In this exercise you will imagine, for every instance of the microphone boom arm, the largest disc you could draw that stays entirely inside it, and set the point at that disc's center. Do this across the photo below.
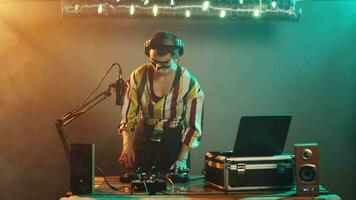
(75, 113)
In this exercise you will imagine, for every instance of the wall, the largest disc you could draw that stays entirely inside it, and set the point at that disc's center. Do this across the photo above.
(49, 64)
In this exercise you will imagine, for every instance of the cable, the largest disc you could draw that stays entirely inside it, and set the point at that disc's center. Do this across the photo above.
(107, 182)
(107, 72)
(165, 193)
(144, 183)
(15, 1)
(196, 179)
(81, 106)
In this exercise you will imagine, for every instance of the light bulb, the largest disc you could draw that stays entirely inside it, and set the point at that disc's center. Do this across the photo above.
(187, 13)
(274, 4)
(132, 9)
(256, 13)
(76, 7)
(100, 8)
(206, 5)
(222, 13)
(155, 10)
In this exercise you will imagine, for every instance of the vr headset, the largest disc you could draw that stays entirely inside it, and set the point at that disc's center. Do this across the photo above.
(159, 43)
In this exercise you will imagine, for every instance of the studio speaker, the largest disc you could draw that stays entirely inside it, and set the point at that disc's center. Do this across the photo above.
(82, 165)
(307, 169)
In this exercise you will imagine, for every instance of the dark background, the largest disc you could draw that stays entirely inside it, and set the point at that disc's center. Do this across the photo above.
(49, 64)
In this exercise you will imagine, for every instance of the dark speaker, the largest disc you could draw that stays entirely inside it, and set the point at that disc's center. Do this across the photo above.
(307, 169)
(82, 165)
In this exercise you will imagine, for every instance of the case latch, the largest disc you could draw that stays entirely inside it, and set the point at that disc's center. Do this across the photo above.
(241, 168)
(281, 167)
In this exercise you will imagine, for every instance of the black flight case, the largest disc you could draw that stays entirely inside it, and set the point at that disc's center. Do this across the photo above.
(230, 173)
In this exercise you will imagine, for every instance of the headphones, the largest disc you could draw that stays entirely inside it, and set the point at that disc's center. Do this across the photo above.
(164, 39)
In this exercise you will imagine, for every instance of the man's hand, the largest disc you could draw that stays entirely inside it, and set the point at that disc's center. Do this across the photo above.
(127, 157)
(180, 166)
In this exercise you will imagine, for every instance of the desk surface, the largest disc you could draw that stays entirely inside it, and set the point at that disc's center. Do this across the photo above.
(194, 189)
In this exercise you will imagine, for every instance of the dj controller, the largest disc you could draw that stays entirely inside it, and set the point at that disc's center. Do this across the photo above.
(153, 181)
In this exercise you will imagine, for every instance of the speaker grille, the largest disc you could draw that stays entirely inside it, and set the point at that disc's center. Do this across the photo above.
(307, 173)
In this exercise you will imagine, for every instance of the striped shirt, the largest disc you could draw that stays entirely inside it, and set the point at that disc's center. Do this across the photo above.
(182, 105)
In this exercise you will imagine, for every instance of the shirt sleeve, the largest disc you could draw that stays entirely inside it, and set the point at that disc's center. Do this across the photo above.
(193, 116)
(130, 109)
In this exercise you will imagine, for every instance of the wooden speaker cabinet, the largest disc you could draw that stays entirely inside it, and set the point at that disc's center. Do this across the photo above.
(307, 169)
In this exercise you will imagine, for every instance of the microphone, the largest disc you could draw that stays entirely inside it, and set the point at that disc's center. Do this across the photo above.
(120, 89)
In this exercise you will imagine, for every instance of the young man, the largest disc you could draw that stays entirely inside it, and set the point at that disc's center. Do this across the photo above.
(170, 101)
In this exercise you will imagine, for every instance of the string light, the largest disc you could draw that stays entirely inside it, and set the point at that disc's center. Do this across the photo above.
(279, 9)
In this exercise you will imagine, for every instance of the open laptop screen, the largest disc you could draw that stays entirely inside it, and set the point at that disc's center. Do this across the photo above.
(261, 135)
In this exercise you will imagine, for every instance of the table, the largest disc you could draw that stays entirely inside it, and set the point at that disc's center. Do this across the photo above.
(194, 189)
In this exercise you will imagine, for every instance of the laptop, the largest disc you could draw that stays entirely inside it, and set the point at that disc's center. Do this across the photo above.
(261, 135)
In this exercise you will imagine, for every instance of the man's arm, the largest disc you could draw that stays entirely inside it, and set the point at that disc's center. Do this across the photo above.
(128, 123)
(193, 116)
(193, 125)
(127, 157)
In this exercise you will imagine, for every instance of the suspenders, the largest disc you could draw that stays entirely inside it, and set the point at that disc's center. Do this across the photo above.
(141, 86)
